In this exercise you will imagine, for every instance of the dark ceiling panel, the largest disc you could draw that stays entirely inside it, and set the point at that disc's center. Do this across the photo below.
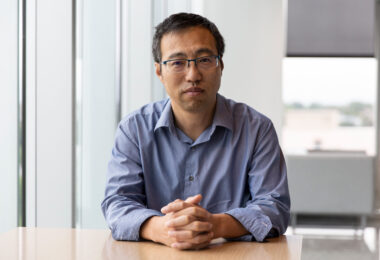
(342, 28)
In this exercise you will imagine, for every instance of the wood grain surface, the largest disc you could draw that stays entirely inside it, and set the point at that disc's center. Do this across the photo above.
(78, 244)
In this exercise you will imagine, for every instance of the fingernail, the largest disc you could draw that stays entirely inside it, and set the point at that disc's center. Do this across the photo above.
(163, 209)
(168, 223)
(171, 233)
(174, 245)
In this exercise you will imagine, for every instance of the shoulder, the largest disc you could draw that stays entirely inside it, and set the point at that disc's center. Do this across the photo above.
(144, 117)
(251, 125)
(243, 114)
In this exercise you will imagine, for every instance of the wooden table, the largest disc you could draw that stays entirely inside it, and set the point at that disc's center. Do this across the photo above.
(47, 243)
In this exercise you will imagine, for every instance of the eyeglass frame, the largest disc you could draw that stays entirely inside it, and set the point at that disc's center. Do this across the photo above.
(190, 60)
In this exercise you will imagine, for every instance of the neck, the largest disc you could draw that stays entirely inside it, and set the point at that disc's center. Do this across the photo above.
(193, 123)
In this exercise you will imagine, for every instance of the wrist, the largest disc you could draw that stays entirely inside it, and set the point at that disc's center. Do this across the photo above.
(147, 229)
(217, 225)
(226, 226)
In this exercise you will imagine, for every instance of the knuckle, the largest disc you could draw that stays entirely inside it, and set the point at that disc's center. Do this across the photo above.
(192, 233)
(186, 246)
(197, 225)
(198, 239)
(188, 218)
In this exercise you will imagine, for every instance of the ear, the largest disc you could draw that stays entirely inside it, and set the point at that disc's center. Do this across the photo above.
(158, 70)
(221, 64)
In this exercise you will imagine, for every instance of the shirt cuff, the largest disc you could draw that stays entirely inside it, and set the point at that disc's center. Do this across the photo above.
(257, 224)
(128, 226)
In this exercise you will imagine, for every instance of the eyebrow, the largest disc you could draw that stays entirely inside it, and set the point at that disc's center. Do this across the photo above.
(176, 55)
(204, 50)
(198, 52)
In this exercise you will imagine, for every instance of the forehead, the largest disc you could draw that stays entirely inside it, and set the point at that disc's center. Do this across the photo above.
(188, 43)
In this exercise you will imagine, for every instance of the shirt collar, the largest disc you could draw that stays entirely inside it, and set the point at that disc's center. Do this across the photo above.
(166, 119)
(222, 116)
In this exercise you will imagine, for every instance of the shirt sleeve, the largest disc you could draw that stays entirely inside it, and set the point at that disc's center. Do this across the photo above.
(124, 205)
(267, 212)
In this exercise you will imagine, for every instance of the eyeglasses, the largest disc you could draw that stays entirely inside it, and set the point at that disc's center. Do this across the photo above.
(202, 63)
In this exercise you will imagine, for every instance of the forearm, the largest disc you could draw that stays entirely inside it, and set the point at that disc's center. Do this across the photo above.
(227, 226)
(125, 217)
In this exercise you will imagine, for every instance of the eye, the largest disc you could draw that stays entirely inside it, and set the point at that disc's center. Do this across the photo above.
(204, 60)
(177, 63)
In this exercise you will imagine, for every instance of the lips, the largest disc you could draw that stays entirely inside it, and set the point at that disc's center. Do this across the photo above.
(193, 90)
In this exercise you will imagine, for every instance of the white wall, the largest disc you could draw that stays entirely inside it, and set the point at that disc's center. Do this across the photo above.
(8, 114)
(254, 32)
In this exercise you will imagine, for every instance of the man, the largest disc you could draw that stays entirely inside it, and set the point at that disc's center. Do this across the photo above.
(196, 166)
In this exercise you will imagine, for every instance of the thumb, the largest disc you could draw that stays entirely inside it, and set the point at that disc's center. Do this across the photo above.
(194, 199)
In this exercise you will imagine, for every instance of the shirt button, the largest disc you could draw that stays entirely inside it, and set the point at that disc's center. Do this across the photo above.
(191, 178)
(193, 148)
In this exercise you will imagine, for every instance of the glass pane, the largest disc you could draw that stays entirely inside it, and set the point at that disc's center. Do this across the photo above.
(96, 115)
(330, 105)
(8, 114)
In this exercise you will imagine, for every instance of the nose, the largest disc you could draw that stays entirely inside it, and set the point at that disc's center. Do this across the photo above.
(192, 73)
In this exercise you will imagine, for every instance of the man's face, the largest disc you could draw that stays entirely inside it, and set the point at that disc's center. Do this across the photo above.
(193, 90)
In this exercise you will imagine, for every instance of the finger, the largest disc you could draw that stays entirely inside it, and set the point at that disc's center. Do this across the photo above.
(200, 241)
(180, 221)
(199, 226)
(201, 238)
(195, 211)
(175, 206)
(194, 199)
(183, 235)
(180, 204)
(191, 230)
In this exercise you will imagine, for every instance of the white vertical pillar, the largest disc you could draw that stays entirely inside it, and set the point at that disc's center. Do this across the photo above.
(8, 114)
(30, 198)
(54, 110)
(98, 107)
(137, 76)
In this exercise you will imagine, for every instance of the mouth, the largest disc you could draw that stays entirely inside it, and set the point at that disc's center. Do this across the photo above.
(193, 91)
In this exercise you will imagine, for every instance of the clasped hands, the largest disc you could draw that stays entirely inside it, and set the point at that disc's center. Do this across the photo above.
(185, 225)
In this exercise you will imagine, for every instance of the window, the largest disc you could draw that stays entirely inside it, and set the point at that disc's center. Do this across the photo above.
(329, 105)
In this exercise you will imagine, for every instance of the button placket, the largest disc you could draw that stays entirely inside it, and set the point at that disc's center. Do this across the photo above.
(189, 173)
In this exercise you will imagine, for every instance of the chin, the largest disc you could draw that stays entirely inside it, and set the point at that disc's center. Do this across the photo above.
(194, 106)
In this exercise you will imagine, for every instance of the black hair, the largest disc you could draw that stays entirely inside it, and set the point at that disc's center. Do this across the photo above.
(180, 21)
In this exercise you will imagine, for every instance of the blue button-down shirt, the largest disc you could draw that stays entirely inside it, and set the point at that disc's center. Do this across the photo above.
(236, 164)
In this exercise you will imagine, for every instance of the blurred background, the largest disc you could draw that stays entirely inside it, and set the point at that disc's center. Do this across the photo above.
(70, 70)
